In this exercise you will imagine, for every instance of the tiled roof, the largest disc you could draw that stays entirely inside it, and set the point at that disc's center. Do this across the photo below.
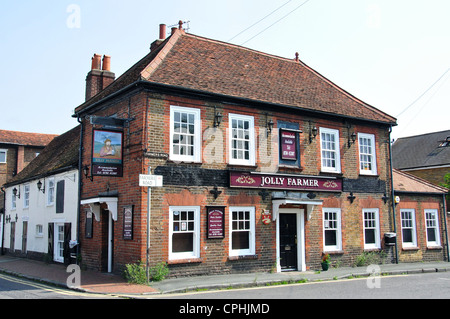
(25, 139)
(196, 63)
(404, 182)
(60, 153)
(421, 151)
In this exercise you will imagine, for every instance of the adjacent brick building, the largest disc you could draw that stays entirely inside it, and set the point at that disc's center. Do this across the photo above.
(266, 164)
(17, 150)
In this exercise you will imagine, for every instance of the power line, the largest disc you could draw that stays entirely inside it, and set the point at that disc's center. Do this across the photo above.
(423, 93)
(276, 22)
(260, 20)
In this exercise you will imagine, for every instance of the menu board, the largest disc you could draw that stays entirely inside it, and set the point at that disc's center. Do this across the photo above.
(216, 221)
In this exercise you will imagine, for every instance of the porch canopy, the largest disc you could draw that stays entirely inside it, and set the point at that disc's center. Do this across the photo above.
(294, 198)
(95, 202)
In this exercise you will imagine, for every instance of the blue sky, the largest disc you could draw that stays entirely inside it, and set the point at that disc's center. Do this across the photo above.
(391, 54)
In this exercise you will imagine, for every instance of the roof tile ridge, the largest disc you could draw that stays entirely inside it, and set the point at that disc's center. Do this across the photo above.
(357, 100)
(241, 47)
(159, 58)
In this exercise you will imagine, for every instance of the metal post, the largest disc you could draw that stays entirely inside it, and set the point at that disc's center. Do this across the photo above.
(149, 206)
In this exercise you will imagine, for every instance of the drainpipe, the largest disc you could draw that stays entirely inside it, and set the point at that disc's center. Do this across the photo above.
(445, 224)
(3, 220)
(393, 195)
(80, 162)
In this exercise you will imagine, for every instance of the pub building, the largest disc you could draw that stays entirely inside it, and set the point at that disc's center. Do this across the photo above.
(259, 163)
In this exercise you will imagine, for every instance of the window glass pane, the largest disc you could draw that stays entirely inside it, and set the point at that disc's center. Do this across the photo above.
(431, 234)
(330, 238)
(407, 236)
(240, 240)
(182, 242)
(370, 236)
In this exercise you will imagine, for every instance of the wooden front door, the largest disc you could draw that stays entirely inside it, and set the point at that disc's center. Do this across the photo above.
(288, 241)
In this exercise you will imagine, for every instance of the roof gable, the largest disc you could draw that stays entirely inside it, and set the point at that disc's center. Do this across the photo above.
(196, 63)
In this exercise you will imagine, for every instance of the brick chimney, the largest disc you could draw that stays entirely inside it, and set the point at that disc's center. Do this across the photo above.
(100, 75)
(162, 37)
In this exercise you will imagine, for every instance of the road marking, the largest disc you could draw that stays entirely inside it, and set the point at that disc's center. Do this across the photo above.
(50, 289)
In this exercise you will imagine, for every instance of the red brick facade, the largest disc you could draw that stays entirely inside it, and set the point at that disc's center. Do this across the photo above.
(191, 186)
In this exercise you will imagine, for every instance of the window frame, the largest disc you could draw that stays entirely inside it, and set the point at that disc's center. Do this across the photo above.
(252, 235)
(251, 141)
(50, 198)
(413, 228)
(26, 195)
(336, 151)
(372, 154)
(376, 228)
(197, 147)
(338, 229)
(195, 253)
(437, 242)
(13, 201)
(4, 150)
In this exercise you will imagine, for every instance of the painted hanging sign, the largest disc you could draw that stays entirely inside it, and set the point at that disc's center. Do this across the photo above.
(107, 156)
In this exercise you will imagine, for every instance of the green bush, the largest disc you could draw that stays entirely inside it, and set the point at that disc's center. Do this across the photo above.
(137, 274)
(159, 272)
(369, 258)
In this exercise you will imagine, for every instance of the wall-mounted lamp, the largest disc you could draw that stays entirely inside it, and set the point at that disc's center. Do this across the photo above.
(217, 118)
(351, 137)
(40, 188)
(312, 132)
(15, 192)
(86, 173)
(385, 198)
(269, 126)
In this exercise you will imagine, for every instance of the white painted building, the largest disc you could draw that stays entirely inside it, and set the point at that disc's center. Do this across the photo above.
(41, 204)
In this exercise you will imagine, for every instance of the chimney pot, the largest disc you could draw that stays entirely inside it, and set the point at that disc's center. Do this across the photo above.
(106, 63)
(180, 25)
(296, 56)
(96, 62)
(162, 31)
(173, 30)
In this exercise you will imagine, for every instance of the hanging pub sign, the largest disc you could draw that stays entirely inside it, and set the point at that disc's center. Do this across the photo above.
(128, 223)
(216, 221)
(107, 155)
(288, 141)
(285, 181)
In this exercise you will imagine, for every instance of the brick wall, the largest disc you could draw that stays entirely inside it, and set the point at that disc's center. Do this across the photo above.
(422, 252)
(190, 184)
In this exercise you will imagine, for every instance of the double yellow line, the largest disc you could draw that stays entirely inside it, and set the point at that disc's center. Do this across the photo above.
(49, 288)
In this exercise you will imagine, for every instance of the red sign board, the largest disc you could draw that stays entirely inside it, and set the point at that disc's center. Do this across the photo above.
(288, 145)
(285, 182)
(216, 222)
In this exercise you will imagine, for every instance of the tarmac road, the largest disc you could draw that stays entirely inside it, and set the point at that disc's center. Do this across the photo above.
(12, 287)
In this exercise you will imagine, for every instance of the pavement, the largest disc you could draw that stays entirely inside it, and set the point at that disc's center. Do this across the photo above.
(111, 284)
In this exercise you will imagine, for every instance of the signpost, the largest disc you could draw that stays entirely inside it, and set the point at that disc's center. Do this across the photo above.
(149, 181)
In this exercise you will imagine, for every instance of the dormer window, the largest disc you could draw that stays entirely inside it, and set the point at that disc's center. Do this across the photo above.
(445, 143)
